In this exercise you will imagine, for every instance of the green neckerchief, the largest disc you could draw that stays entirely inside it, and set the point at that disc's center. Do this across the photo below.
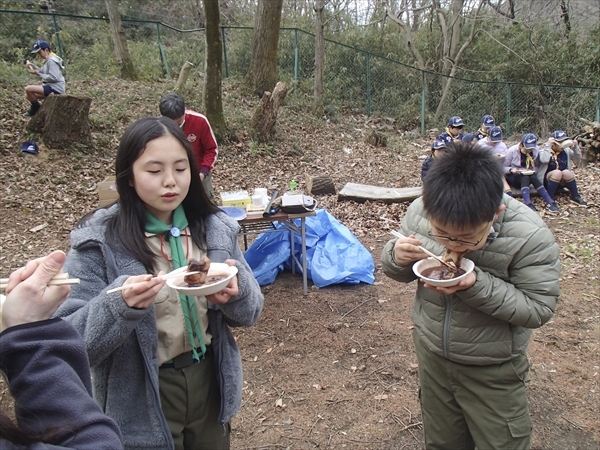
(188, 304)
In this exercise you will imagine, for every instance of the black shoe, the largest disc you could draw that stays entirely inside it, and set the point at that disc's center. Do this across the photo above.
(531, 206)
(32, 110)
(579, 201)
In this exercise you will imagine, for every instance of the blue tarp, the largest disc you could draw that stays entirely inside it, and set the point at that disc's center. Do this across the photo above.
(334, 255)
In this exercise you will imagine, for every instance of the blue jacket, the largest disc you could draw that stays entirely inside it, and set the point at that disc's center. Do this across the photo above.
(426, 166)
(49, 376)
(122, 341)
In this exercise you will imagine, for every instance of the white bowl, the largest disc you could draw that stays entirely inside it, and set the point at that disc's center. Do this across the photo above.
(466, 264)
(179, 285)
(527, 172)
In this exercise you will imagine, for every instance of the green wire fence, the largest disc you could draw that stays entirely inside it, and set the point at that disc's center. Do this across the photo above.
(354, 79)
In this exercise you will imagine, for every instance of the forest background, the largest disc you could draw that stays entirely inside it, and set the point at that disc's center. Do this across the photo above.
(533, 64)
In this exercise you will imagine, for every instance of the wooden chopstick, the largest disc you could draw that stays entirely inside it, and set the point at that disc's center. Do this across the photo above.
(424, 250)
(62, 281)
(58, 276)
(164, 277)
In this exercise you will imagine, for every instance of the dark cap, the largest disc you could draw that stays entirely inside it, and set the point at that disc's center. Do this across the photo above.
(38, 45)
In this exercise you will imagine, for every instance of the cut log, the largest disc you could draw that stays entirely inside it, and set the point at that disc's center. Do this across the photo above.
(376, 139)
(183, 75)
(320, 185)
(363, 192)
(265, 117)
(62, 120)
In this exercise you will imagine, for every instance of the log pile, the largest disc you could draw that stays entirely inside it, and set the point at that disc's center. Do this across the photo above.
(589, 140)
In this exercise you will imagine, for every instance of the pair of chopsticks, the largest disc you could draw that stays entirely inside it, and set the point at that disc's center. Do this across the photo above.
(60, 279)
(424, 250)
(173, 274)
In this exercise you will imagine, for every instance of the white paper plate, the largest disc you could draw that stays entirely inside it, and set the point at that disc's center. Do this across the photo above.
(466, 264)
(527, 172)
(179, 285)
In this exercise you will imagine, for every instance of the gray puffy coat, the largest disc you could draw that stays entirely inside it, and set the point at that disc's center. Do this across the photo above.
(516, 290)
(122, 342)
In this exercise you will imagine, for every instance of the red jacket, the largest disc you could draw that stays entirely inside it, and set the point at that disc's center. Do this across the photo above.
(201, 137)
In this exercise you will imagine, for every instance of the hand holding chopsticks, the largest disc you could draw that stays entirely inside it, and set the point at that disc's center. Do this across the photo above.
(173, 274)
(60, 279)
(424, 250)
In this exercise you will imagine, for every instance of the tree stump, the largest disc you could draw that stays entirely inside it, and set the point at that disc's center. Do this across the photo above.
(376, 139)
(320, 185)
(62, 120)
(265, 116)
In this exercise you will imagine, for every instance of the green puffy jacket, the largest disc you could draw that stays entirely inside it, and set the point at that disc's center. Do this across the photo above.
(516, 290)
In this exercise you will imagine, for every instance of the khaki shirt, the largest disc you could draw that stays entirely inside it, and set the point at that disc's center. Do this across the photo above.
(170, 323)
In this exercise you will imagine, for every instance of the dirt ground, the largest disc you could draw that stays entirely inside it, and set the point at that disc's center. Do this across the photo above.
(335, 368)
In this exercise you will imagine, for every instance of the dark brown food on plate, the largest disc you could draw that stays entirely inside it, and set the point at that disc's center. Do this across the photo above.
(442, 273)
(201, 266)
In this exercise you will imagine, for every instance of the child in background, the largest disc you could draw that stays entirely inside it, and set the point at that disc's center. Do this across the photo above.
(438, 148)
(560, 169)
(51, 74)
(487, 121)
(494, 144)
(165, 366)
(453, 130)
(471, 339)
(520, 171)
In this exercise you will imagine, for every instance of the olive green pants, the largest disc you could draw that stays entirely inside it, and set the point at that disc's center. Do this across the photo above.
(466, 406)
(191, 403)
(208, 187)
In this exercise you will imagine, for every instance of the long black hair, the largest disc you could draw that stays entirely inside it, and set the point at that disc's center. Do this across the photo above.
(126, 228)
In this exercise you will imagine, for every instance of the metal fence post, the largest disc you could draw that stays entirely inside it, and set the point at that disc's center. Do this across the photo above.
(224, 52)
(598, 107)
(296, 58)
(508, 100)
(368, 84)
(57, 34)
(423, 83)
(163, 57)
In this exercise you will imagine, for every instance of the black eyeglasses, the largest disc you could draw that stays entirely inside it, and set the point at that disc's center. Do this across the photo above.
(460, 241)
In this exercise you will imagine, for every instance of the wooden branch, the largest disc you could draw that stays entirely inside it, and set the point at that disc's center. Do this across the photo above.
(363, 192)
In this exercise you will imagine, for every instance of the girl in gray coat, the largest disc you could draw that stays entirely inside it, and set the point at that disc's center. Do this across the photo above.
(165, 366)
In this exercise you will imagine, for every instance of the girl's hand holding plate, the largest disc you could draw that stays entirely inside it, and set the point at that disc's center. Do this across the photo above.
(222, 297)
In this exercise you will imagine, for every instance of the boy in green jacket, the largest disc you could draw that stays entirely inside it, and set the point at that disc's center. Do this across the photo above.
(471, 338)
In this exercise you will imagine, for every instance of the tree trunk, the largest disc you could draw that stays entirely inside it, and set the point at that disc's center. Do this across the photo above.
(265, 117)
(320, 185)
(262, 74)
(213, 91)
(184, 74)
(319, 57)
(122, 56)
(62, 120)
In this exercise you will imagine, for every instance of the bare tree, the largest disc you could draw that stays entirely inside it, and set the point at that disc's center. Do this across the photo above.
(212, 94)
(319, 56)
(122, 56)
(262, 74)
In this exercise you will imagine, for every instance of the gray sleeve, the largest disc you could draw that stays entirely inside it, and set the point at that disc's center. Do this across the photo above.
(53, 74)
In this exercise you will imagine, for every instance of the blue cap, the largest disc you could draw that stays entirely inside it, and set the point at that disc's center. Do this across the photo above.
(559, 135)
(38, 45)
(488, 121)
(468, 138)
(455, 122)
(529, 141)
(437, 144)
(495, 134)
(30, 147)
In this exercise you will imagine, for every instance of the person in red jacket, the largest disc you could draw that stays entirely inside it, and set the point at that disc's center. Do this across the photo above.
(199, 134)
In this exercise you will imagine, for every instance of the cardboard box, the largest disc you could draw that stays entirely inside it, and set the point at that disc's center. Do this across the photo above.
(107, 191)
(240, 199)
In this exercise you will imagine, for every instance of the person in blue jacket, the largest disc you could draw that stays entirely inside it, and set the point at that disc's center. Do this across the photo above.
(438, 148)
(487, 121)
(47, 369)
(453, 130)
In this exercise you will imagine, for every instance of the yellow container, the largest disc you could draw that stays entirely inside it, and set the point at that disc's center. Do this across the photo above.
(240, 199)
